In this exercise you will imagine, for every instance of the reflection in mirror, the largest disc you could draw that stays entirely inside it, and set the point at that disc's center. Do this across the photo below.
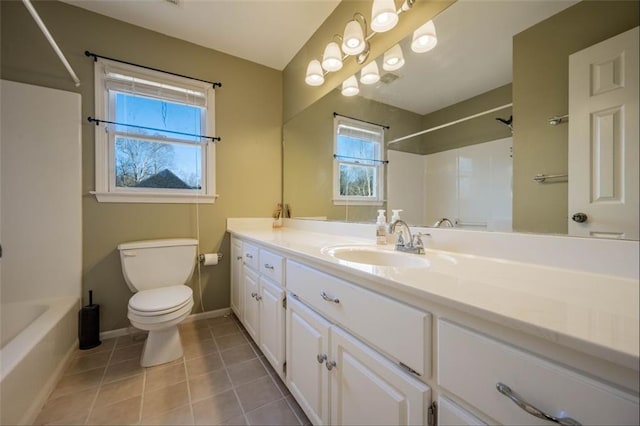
(469, 123)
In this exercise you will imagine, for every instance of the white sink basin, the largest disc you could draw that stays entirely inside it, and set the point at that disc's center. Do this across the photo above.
(378, 256)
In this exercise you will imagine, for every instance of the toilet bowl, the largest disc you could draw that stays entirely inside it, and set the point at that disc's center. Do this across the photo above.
(156, 271)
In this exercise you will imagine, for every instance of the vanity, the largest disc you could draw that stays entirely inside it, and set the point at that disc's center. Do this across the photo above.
(444, 338)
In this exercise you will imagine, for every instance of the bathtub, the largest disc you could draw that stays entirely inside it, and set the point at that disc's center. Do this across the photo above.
(38, 338)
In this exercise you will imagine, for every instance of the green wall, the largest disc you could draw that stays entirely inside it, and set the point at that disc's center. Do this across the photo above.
(248, 118)
(540, 91)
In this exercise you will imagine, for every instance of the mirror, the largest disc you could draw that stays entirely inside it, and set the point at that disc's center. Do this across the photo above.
(449, 144)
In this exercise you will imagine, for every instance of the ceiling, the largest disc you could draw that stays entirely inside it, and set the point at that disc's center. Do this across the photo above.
(262, 31)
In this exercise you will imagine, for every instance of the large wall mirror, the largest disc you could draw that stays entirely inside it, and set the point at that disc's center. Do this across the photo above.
(477, 129)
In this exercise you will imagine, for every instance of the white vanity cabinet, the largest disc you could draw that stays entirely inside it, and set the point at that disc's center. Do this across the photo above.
(338, 380)
(263, 313)
(237, 296)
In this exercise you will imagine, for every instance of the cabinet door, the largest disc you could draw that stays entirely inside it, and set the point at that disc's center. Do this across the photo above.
(307, 342)
(272, 323)
(451, 414)
(236, 278)
(366, 388)
(251, 319)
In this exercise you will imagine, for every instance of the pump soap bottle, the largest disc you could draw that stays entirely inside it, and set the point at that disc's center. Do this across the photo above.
(381, 228)
(393, 238)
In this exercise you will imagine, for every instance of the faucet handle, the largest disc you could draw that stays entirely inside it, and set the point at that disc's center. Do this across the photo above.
(417, 239)
(400, 241)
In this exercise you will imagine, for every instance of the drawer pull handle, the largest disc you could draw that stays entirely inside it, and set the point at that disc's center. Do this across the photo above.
(321, 358)
(328, 298)
(330, 365)
(517, 399)
(249, 256)
(266, 265)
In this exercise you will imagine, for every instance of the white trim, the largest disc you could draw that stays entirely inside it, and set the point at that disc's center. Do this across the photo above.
(128, 197)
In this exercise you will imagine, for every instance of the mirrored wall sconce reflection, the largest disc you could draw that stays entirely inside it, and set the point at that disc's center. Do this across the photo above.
(355, 40)
(424, 38)
(350, 86)
(393, 59)
(370, 73)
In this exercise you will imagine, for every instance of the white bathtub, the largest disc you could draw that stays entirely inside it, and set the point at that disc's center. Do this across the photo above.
(37, 339)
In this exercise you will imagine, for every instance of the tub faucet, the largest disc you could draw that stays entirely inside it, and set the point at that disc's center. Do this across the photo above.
(407, 242)
(442, 221)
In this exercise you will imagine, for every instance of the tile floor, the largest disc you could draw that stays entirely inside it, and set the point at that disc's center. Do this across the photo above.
(222, 379)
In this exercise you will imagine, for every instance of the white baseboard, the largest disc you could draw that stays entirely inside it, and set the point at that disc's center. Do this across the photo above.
(191, 318)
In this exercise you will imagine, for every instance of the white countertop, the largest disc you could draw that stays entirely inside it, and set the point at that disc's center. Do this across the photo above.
(593, 313)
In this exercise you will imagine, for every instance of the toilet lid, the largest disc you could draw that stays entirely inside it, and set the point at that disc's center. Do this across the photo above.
(160, 299)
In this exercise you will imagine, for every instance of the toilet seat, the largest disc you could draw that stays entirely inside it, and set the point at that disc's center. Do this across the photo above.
(160, 301)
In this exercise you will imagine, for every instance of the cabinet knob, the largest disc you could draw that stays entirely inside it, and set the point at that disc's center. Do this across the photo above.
(579, 217)
(254, 295)
(330, 365)
(258, 298)
(328, 298)
(249, 256)
(321, 358)
(238, 257)
(520, 402)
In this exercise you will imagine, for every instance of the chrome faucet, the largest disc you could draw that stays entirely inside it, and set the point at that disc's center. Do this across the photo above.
(407, 242)
(444, 220)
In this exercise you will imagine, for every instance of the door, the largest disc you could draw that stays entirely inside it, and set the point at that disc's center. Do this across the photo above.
(252, 305)
(236, 277)
(272, 323)
(307, 348)
(603, 139)
(368, 389)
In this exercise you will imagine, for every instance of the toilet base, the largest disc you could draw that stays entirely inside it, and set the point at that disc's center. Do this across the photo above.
(161, 346)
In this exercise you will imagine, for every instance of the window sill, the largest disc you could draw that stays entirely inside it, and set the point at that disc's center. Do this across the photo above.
(345, 202)
(124, 197)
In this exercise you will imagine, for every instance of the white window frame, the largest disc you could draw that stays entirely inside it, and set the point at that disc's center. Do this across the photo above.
(106, 189)
(338, 199)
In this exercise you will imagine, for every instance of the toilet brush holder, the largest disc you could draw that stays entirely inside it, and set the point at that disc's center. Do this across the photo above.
(89, 325)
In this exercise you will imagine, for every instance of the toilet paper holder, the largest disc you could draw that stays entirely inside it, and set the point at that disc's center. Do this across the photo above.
(201, 257)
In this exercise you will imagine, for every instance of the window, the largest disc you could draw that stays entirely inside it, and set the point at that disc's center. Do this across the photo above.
(358, 172)
(154, 152)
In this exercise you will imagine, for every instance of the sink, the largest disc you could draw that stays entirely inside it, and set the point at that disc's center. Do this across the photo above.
(374, 255)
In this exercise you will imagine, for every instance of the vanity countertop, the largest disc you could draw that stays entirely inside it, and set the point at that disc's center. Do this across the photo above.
(592, 313)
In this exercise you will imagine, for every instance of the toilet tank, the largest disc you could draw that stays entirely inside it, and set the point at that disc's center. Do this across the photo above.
(157, 263)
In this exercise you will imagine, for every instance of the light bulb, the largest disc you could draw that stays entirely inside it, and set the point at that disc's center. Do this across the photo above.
(350, 86)
(393, 59)
(314, 74)
(383, 15)
(370, 73)
(424, 38)
(332, 58)
(353, 38)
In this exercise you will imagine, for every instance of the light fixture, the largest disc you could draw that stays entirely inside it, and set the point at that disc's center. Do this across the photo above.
(370, 73)
(332, 58)
(353, 38)
(383, 15)
(393, 59)
(424, 38)
(314, 76)
(350, 86)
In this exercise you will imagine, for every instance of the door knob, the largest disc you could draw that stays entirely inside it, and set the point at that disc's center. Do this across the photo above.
(579, 217)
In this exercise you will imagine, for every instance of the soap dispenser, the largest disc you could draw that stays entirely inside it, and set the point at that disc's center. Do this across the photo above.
(381, 228)
(396, 215)
(393, 238)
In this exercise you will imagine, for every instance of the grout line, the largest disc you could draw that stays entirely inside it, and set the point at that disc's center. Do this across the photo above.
(186, 373)
(104, 374)
(144, 388)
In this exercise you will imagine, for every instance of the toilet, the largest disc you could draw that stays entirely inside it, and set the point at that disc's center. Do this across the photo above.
(157, 271)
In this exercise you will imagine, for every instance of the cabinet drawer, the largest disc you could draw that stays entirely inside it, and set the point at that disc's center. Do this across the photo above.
(400, 331)
(272, 266)
(451, 414)
(470, 365)
(250, 256)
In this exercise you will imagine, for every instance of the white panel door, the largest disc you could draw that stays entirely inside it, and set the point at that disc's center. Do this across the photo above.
(307, 346)
(251, 317)
(603, 138)
(368, 389)
(236, 277)
(272, 323)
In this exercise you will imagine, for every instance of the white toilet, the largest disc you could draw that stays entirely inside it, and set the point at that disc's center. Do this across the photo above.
(157, 271)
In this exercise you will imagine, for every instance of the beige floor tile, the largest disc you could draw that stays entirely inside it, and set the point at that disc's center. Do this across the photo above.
(88, 362)
(275, 413)
(209, 384)
(216, 409)
(74, 421)
(297, 410)
(247, 371)
(193, 325)
(267, 365)
(120, 390)
(280, 385)
(158, 378)
(200, 348)
(204, 364)
(131, 339)
(236, 421)
(121, 413)
(258, 393)
(224, 328)
(79, 381)
(230, 340)
(165, 399)
(221, 320)
(123, 369)
(194, 334)
(238, 354)
(178, 416)
(70, 406)
(106, 345)
(126, 353)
